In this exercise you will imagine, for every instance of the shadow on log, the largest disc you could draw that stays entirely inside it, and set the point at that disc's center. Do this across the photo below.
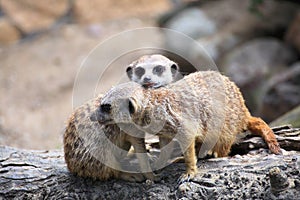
(253, 173)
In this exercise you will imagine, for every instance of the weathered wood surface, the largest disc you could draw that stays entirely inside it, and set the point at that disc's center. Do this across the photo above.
(26, 174)
(287, 137)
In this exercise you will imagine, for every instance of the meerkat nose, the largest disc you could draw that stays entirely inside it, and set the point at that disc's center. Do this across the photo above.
(147, 79)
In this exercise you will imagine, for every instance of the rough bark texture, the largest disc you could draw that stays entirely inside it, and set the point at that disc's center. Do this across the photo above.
(26, 174)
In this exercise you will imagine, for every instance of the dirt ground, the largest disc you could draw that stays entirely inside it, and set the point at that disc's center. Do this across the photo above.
(37, 77)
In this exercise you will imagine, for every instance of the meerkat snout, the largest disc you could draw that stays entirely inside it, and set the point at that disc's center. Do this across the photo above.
(153, 71)
(125, 106)
(147, 79)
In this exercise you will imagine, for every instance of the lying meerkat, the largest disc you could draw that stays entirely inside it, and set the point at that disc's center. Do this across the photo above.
(153, 71)
(203, 106)
(94, 151)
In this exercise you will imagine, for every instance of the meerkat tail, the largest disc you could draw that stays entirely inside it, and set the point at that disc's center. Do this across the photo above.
(258, 127)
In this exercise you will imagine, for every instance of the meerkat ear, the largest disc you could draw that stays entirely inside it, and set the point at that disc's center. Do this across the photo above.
(132, 105)
(129, 72)
(174, 68)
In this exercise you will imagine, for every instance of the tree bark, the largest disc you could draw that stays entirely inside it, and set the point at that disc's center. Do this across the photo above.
(253, 173)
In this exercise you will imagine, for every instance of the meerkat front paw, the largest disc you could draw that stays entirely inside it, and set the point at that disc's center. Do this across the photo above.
(186, 177)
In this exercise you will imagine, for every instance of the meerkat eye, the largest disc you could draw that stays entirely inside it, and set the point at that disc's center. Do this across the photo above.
(139, 71)
(174, 68)
(105, 108)
(159, 69)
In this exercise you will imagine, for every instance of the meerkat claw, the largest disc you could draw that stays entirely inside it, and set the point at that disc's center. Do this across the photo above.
(184, 178)
(275, 149)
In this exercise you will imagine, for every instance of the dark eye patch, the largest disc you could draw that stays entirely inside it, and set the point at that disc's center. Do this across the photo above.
(105, 108)
(174, 69)
(158, 70)
(139, 71)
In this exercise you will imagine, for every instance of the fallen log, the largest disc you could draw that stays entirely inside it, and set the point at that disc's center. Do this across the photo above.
(287, 137)
(28, 174)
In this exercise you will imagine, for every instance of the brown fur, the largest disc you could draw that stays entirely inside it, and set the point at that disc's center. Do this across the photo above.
(204, 107)
(86, 147)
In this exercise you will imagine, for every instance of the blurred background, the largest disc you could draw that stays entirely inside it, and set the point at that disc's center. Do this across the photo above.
(43, 43)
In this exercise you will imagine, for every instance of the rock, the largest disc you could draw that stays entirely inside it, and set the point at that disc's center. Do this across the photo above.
(95, 11)
(256, 59)
(251, 64)
(31, 15)
(8, 34)
(293, 33)
(94, 30)
(184, 187)
(233, 23)
(278, 180)
(185, 22)
(241, 25)
(282, 94)
(291, 117)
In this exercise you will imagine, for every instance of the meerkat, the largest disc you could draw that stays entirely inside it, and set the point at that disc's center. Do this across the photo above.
(95, 151)
(153, 71)
(81, 155)
(203, 106)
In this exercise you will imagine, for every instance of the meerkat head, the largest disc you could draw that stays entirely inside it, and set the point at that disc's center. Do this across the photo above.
(117, 104)
(128, 105)
(153, 71)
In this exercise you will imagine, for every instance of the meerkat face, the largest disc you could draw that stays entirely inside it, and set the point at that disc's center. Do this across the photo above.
(122, 110)
(128, 104)
(152, 71)
(114, 106)
(112, 111)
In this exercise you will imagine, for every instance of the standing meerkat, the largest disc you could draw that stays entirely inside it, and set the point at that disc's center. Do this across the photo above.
(153, 71)
(203, 106)
(95, 151)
